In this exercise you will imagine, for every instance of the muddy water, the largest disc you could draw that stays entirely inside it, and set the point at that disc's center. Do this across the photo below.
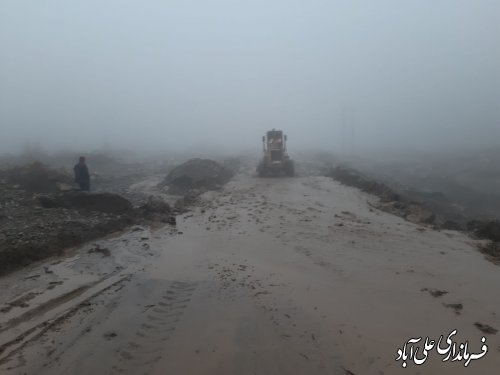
(269, 276)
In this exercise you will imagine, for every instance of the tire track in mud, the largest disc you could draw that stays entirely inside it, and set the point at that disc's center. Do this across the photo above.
(300, 331)
(146, 344)
(40, 325)
(125, 331)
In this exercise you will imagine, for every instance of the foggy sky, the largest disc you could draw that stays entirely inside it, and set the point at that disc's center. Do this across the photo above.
(158, 74)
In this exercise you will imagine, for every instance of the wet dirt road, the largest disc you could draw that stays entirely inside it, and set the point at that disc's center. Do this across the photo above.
(268, 276)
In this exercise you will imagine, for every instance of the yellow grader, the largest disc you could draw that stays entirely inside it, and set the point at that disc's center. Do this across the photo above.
(276, 160)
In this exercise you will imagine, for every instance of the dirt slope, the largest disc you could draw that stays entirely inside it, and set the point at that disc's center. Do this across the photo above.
(267, 276)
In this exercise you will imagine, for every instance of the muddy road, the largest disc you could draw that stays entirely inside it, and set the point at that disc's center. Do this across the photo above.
(267, 276)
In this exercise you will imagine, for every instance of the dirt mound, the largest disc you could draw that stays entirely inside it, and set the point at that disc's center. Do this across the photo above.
(41, 214)
(33, 229)
(157, 204)
(354, 178)
(426, 211)
(29, 232)
(489, 230)
(197, 174)
(412, 212)
(390, 201)
(50, 234)
(38, 178)
(156, 209)
(79, 200)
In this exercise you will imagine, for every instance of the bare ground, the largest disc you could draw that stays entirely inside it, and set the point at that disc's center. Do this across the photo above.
(267, 276)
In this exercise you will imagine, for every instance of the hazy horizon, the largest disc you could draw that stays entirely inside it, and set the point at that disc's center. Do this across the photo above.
(349, 76)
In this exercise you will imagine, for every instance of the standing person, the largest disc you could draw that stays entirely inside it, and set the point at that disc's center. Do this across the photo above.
(82, 176)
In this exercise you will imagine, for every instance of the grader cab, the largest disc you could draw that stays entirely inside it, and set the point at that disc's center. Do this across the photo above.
(276, 160)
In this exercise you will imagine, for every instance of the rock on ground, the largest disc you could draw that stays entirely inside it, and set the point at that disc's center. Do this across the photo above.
(156, 204)
(156, 209)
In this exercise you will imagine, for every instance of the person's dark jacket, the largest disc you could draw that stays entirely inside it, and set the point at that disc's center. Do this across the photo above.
(82, 176)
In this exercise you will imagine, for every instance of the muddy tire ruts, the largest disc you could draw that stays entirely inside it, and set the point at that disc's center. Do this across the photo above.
(147, 343)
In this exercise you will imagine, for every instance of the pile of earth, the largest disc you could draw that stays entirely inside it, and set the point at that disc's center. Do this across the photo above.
(351, 177)
(30, 232)
(390, 201)
(487, 230)
(423, 212)
(37, 178)
(155, 209)
(38, 219)
(79, 200)
(196, 176)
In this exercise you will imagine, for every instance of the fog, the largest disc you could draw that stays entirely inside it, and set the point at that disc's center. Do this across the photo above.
(345, 76)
